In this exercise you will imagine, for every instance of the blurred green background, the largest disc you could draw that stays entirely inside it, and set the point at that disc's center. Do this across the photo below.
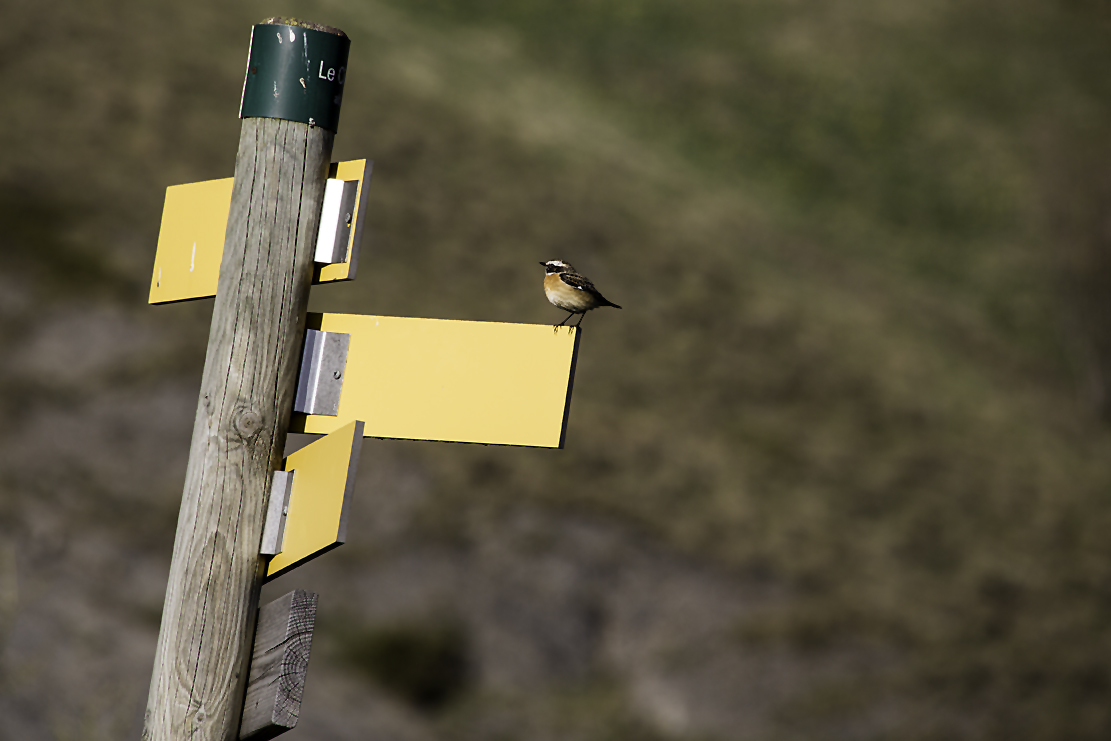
(839, 469)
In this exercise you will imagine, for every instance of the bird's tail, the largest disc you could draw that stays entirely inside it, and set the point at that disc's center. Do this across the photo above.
(607, 302)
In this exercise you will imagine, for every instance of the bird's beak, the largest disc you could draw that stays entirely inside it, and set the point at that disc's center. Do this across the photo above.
(544, 264)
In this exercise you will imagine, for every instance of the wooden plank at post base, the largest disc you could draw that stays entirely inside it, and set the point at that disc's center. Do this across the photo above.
(453, 381)
(279, 662)
(194, 222)
(323, 481)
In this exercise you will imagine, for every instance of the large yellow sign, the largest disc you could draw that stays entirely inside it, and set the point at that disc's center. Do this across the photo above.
(457, 381)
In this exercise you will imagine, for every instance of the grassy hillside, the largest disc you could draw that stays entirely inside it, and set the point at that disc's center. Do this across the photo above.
(857, 387)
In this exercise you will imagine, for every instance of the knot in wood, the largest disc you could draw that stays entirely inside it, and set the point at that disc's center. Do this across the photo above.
(246, 423)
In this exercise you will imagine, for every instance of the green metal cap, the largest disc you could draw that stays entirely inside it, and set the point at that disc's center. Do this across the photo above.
(296, 74)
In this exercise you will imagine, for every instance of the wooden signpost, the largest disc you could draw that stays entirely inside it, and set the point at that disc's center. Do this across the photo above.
(287, 220)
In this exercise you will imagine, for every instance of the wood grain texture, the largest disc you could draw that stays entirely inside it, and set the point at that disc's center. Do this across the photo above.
(279, 662)
(247, 389)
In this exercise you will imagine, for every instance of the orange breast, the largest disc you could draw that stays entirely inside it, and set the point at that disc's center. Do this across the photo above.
(566, 297)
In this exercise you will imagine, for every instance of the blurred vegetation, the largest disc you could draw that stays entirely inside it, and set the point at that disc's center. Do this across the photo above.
(863, 249)
(424, 662)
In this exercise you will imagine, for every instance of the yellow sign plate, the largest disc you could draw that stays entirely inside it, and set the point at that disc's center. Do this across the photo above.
(194, 223)
(456, 381)
(354, 170)
(323, 478)
(191, 241)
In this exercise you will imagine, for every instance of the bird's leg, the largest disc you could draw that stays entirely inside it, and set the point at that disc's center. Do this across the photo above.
(569, 315)
(581, 317)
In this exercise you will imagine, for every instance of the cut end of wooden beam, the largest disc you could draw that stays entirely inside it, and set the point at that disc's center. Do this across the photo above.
(279, 663)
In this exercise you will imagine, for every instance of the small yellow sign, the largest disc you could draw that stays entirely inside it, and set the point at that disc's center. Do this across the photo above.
(191, 241)
(323, 479)
(358, 170)
(194, 223)
(456, 381)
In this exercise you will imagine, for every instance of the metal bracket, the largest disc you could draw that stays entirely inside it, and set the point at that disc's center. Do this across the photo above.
(322, 369)
(336, 217)
(273, 533)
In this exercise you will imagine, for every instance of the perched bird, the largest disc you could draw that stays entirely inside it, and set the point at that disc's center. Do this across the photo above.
(570, 291)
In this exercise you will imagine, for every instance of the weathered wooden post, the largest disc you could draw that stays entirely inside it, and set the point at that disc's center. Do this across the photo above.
(372, 376)
(290, 109)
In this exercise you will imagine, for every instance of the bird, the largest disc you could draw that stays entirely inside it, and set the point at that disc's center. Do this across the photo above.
(571, 291)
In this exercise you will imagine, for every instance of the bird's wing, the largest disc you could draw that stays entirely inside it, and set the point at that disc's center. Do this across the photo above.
(577, 281)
